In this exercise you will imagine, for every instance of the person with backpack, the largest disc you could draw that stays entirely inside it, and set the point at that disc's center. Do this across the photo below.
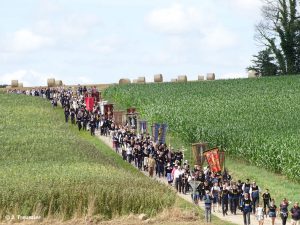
(246, 207)
(284, 212)
(207, 203)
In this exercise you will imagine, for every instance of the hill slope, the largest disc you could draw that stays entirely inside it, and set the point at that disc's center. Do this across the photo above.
(257, 120)
(47, 169)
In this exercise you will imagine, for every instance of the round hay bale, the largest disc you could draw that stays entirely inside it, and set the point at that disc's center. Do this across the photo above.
(20, 85)
(135, 81)
(51, 82)
(58, 83)
(173, 80)
(158, 78)
(124, 81)
(252, 74)
(182, 78)
(141, 80)
(210, 76)
(14, 83)
(200, 78)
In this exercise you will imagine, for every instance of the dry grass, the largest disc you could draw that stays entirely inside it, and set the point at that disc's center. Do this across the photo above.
(172, 216)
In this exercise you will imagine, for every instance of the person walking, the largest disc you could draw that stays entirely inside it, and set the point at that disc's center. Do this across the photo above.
(295, 212)
(266, 199)
(224, 200)
(151, 165)
(215, 191)
(67, 113)
(254, 192)
(272, 211)
(207, 203)
(259, 213)
(284, 212)
(246, 208)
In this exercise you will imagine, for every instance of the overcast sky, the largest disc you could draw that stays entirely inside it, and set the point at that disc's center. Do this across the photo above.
(97, 41)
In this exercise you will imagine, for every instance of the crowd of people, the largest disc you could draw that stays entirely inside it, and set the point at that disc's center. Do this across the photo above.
(217, 191)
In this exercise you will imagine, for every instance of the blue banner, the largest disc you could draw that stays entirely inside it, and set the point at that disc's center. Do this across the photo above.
(143, 127)
(160, 132)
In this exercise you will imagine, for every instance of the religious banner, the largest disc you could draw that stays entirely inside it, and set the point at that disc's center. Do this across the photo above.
(108, 111)
(118, 117)
(160, 132)
(132, 120)
(222, 159)
(89, 102)
(143, 126)
(198, 150)
(213, 160)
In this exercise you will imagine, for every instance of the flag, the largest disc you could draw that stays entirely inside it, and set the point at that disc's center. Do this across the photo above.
(143, 127)
(89, 102)
(213, 160)
(160, 132)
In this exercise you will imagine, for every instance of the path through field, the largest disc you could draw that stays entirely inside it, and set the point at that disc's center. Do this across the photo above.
(237, 219)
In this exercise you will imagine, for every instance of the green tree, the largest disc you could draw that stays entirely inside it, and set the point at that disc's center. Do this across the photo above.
(264, 63)
(279, 31)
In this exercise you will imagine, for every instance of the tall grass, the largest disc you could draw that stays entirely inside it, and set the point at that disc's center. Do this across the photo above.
(256, 119)
(50, 170)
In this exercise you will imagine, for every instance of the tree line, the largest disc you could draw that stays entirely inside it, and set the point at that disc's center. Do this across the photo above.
(278, 33)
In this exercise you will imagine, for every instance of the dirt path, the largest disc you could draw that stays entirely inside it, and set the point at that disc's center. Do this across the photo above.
(237, 219)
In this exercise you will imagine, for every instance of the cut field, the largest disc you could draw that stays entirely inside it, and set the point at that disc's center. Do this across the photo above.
(48, 169)
(253, 119)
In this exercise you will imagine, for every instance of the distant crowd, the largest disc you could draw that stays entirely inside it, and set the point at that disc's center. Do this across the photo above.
(217, 191)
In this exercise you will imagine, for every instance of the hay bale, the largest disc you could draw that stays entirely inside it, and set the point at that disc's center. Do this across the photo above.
(200, 78)
(58, 83)
(135, 81)
(14, 83)
(252, 74)
(158, 78)
(173, 80)
(8, 87)
(182, 78)
(141, 80)
(124, 81)
(51, 82)
(20, 85)
(210, 76)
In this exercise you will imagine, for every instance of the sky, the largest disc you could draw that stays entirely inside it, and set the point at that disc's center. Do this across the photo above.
(97, 41)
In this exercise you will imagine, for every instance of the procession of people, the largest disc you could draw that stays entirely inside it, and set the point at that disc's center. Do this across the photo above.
(216, 191)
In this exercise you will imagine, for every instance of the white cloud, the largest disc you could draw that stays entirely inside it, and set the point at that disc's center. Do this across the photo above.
(24, 40)
(191, 26)
(176, 19)
(27, 77)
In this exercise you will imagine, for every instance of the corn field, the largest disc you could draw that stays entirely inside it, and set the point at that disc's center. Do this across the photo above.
(256, 120)
(48, 169)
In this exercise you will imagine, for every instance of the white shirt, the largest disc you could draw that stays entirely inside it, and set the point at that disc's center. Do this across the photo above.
(177, 173)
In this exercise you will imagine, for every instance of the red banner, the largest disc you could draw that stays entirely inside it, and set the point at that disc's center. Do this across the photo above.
(213, 160)
(89, 102)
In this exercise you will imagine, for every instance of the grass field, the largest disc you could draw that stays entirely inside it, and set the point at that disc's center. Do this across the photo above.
(49, 169)
(252, 119)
